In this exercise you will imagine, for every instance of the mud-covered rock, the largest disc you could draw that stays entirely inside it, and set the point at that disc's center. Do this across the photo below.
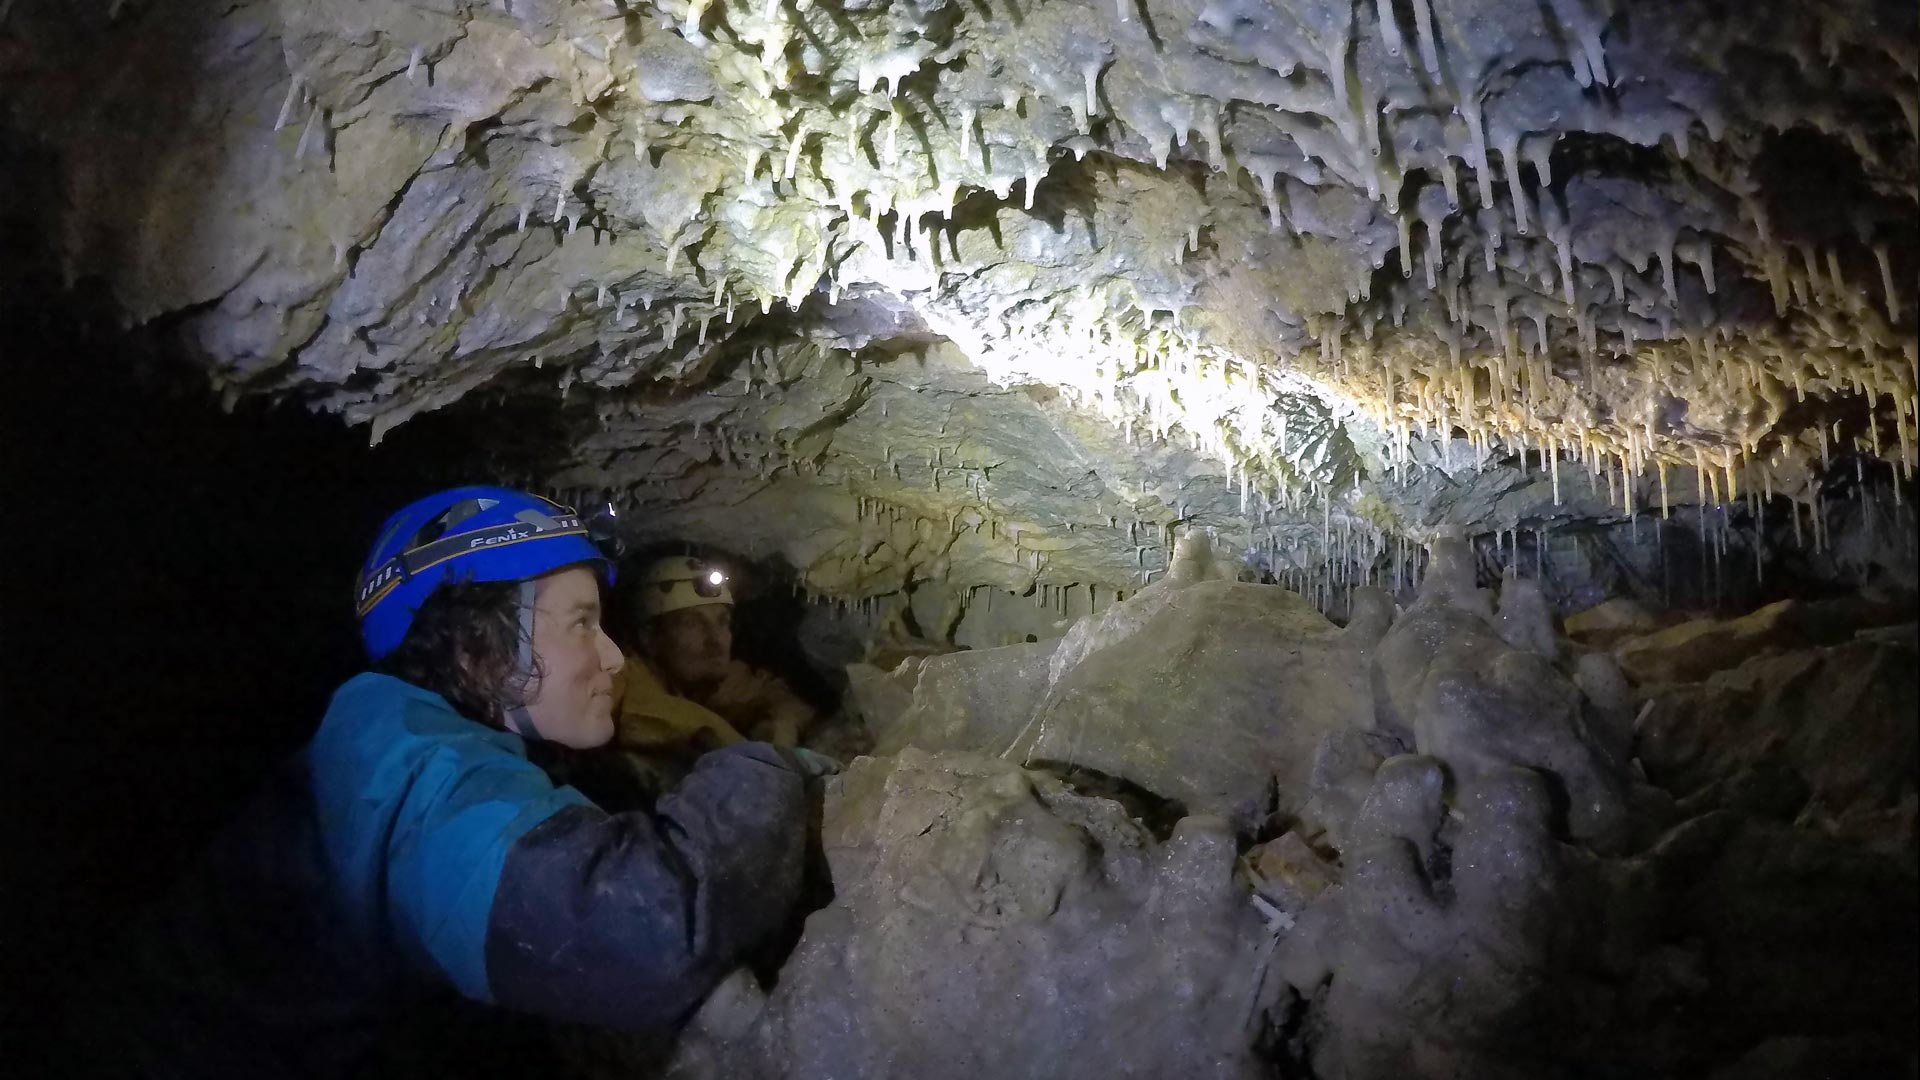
(1289, 873)
(1696, 649)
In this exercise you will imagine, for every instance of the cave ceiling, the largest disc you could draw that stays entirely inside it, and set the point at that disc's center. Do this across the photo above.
(1007, 292)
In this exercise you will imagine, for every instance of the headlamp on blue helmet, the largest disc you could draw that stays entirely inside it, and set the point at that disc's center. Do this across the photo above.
(463, 534)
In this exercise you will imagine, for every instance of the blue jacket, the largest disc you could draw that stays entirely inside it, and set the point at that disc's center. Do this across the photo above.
(409, 843)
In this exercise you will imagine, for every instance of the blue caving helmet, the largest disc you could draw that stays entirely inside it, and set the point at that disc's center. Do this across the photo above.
(462, 534)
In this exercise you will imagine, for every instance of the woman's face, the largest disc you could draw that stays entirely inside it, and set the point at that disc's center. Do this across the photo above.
(570, 700)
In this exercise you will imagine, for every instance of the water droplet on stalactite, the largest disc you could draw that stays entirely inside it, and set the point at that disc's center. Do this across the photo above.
(1450, 181)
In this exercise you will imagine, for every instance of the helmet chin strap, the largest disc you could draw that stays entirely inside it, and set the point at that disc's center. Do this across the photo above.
(518, 720)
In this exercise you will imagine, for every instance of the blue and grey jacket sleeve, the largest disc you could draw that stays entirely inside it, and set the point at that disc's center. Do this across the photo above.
(627, 920)
(445, 843)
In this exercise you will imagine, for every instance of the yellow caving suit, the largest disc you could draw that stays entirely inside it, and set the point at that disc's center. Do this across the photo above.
(648, 718)
(665, 732)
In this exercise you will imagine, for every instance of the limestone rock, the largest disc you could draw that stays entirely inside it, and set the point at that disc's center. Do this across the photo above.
(1839, 722)
(1606, 622)
(977, 700)
(1693, 650)
(1153, 229)
(989, 922)
(1455, 690)
(1343, 768)
(1525, 621)
(1218, 698)
(880, 697)
(1431, 966)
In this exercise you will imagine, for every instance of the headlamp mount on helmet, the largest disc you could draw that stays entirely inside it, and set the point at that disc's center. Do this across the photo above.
(603, 528)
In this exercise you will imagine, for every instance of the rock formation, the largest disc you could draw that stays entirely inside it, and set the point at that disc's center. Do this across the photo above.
(1492, 872)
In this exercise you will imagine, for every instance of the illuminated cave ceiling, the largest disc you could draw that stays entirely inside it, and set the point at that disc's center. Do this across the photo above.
(1007, 292)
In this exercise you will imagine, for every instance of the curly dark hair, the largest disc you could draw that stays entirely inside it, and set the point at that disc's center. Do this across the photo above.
(462, 645)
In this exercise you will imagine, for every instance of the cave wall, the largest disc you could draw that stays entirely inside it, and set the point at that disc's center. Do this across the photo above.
(1325, 278)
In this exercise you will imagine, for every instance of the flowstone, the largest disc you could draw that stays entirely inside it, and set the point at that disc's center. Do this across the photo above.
(1431, 967)
(1453, 688)
(988, 921)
